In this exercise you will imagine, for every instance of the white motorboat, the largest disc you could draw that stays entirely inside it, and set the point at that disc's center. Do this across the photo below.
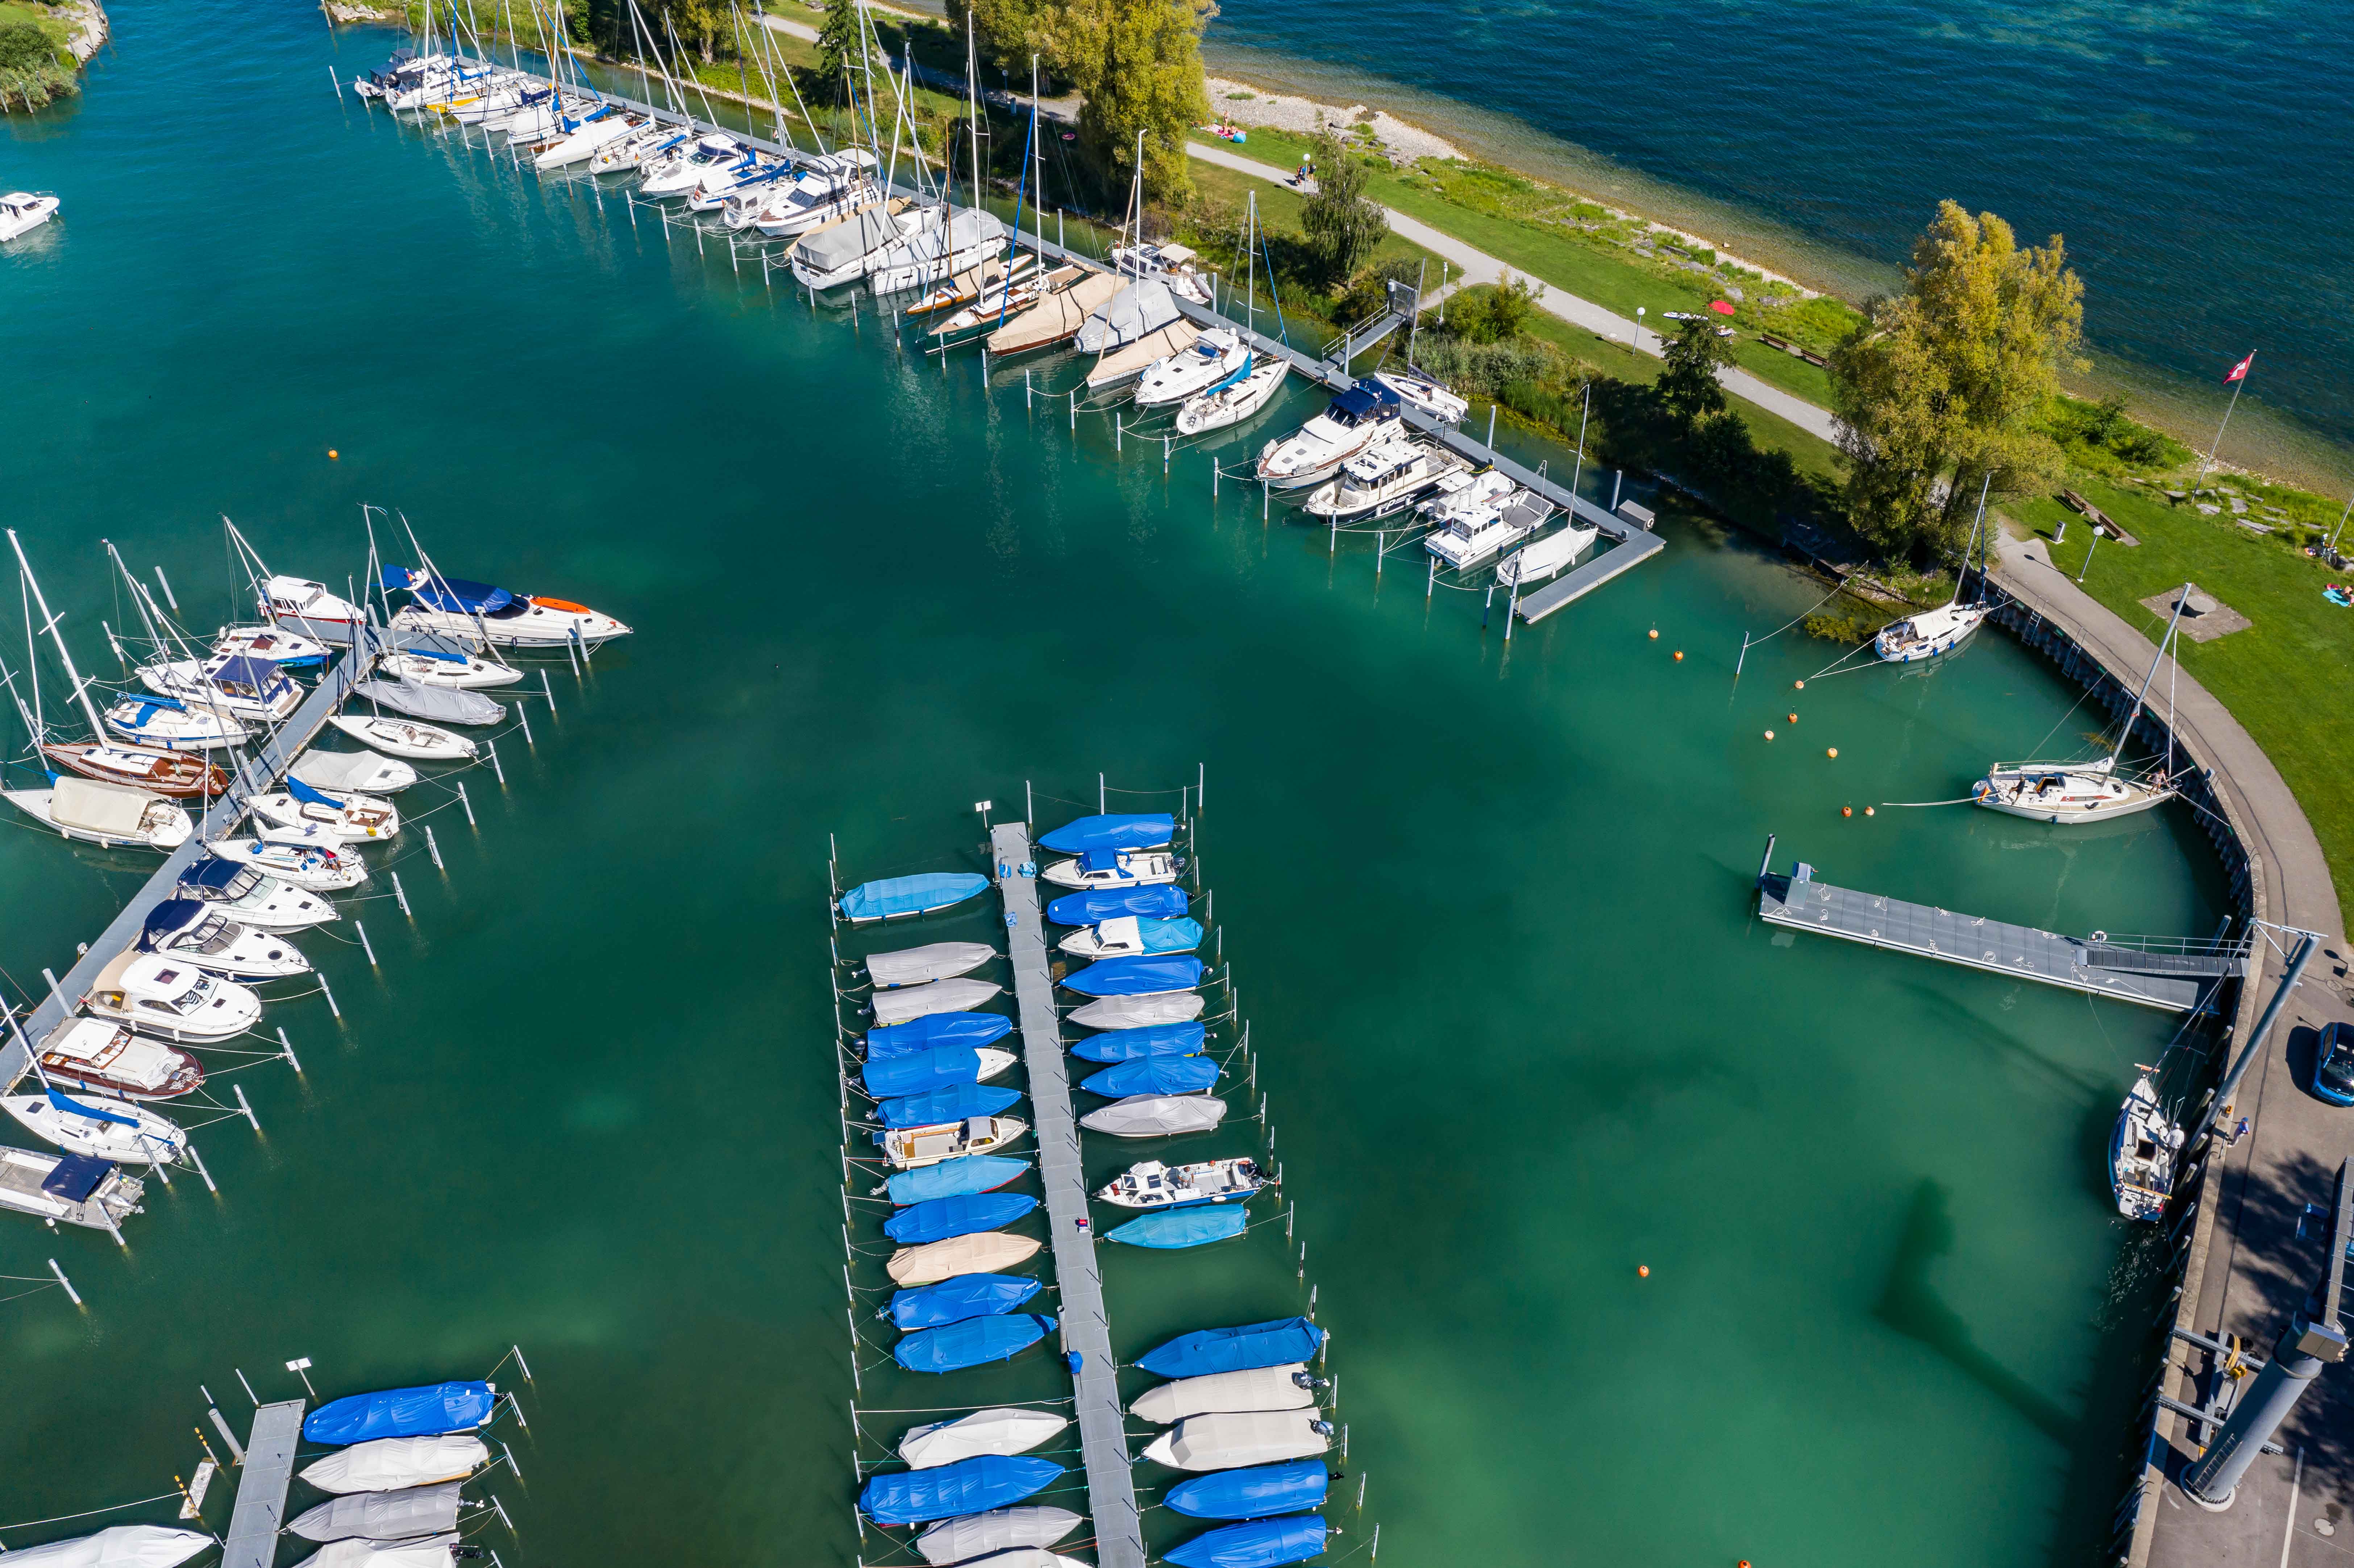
(650, 140)
(301, 604)
(395, 1464)
(171, 725)
(1928, 633)
(459, 672)
(254, 691)
(199, 933)
(844, 252)
(986, 1252)
(935, 251)
(1176, 266)
(348, 817)
(1150, 1184)
(1471, 535)
(933, 961)
(252, 897)
(1286, 1387)
(998, 1531)
(102, 1055)
(404, 737)
(1385, 478)
(1534, 563)
(171, 998)
(271, 644)
(1156, 1116)
(103, 1127)
(37, 1183)
(1228, 1440)
(1116, 868)
(911, 1148)
(471, 612)
(21, 212)
(322, 868)
(1314, 452)
(1424, 395)
(365, 771)
(1137, 1011)
(2142, 1154)
(1216, 359)
(678, 171)
(1235, 402)
(1125, 937)
(112, 816)
(585, 142)
(1001, 1430)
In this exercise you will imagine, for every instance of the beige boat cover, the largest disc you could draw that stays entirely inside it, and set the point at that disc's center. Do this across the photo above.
(1125, 363)
(985, 1252)
(1228, 1441)
(1260, 1388)
(1056, 317)
(100, 807)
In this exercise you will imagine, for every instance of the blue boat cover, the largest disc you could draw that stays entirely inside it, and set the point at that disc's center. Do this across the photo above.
(1153, 1075)
(1135, 977)
(260, 673)
(150, 707)
(216, 874)
(1361, 400)
(975, 1212)
(954, 1300)
(428, 1412)
(1100, 861)
(168, 917)
(936, 1028)
(969, 1486)
(954, 1103)
(935, 1068)
(910, 894)
(75, 1107)
(1173, 1229)
(974, 1342)
(76, 1176)
(1169, 935)
(1150, 1040)
(302, 792)
(1254, 1493)
(1115, 832)
(1207, 1350)
(1262, 1543)
(955, 1178)
(455, 595)
(1164, 899)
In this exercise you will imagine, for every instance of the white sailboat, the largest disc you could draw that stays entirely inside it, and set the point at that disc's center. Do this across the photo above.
(459, 672)
(680, 170)
(98, 1125)
(322, 868)
(345, 816)
(406, 737)
(1948, 626)
(1216, 359)
(2142, 1153)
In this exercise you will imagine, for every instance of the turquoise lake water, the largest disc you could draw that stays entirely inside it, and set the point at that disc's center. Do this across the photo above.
(1489, 909)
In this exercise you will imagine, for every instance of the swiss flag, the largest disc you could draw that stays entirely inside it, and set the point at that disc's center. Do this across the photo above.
(2240, 371)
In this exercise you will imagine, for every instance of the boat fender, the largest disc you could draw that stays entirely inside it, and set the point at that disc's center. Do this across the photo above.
(1321, 1428)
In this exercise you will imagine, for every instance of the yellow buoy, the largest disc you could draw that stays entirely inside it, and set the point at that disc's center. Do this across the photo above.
(1832, 752)
(1655, 634)
(1770, 735)
(1847, 811)
(1794, 718)
(333, 454)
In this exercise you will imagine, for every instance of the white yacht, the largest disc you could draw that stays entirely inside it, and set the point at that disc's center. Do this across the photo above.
(201, 934)
(112, 816)
(1314, 452)
(251, 898)
(1472, 535)
(550, 121)
(912, 1148)
(587, 140)
(174, 726)
(346, 817)
(301, 604)
(680, 169)
(471, 612)
(462, 671)
(1217, 359)
(1386, 477)
(110, 1057)
(365, 771)
(21, 212)
(823, 189)
(273, 644)
(323, 868)
(1949, 625)
(103, 1127)
(1235, 402)
(650, 140)
(1150, 1184)
(251, 691)
(171, 998)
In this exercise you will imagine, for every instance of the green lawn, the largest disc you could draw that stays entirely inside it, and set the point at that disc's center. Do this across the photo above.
(2285, 679)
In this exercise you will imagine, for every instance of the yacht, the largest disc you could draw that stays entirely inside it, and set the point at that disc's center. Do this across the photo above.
(171, 998)
(21, 212)
(1150, 1184)
(1116, 868)
(171, 725)
(585, 141)
(1425, 394)
(824, 190)
(1471, 534)
(1233, 403)
(104, 1128)
(680, 170)
(198, 933)
(251, 691)
(348, 817)
(322, 868)
(112, 1057)
(406, 737)
(181, 774)
(271, 644)
(452, 607)
(462, 671)
(1948, 626)
(1542, 559)
(2142, 1153)
(301, 604)
(649, 140)
(1313, 453)
(1386, 477)
(251, 898)
(111, 816)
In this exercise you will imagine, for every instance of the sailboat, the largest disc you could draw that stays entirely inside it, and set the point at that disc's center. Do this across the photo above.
(1238, 396)
(2142, 1152)
(1216, 359)
(2072, 794)
(1946, 627)
(100, 1128)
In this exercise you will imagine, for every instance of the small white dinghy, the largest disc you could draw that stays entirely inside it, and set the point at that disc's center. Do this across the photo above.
(914, 1002)
(1229, 1440)
(425, 1551)
(251, 899)
(350, 817)
(985, 1252)
(1156, 1116)
(1001, 1430)
(363, 771)
(1150, 1184)
(1535, 563)
(112, 816)
(910, 1148)
(999, 1530)
(195, 931)
(1136, 1012)
(459, 671)
(1121, 868)
(404, 737)
(933, 961)
(1286, 1387)
(323, 868)
(103, 1127)
(118, 1546)
(382, 1516)
(393, 1464)
(171, 998)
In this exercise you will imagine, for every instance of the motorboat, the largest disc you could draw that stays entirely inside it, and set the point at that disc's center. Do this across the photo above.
(460, 672)
(1179, 1230)
(992, 1481)
(990, 1251)
(598, 133)
(1470, 536)
(936, 1028)
(85, 1192)
(1266, 1494)
(363, 771)
(1117, 829)
(179, 774)
(938, 1067)
(457, 607)
(446, 704)
(997, 1430)
(933, 961)
(1150, 1184)
(350, 817)
(431, 1411)
(997, 1531)
(416, 1552)
(321, 868)
(104, 1128)
(904, 1005)
(1175, 267)
(1230, 1439)
(967, 1213)
(112, 1058)
(892, 897)
(1131, 936)
(1235, 402)
(395, 1464)
(273, 644)
(1216, 359)
(1286, 1386)
(1151, 975)
(1135, 1045)
(1463, 493)
(404, 737)
(171, 725)
(301, 604)
(1162, 901)
(1136, 1012)
(1116, 868)
(936, 249)
(913, 1148)
(112, 816)
(21, 212)
(824, 190)
(1055, 319)
(204, 936)
(844, 252)
(118, 1546)
(252, 897)
(1313, 453)
(2142, 1150)
(2070, 794)
(951, 1178)
(973, 1342)
(251, 691)
(1424, 395)
(1385, 478)
(1534, 563)
(954, 1300)
(171, 998)
(1287, 1538)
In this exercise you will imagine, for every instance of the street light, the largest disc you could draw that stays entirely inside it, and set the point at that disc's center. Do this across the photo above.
(2093, 539)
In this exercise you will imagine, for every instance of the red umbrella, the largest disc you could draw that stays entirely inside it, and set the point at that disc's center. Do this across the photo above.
(1720, 307)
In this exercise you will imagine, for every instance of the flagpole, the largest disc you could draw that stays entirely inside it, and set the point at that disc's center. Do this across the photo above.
(2238, 386)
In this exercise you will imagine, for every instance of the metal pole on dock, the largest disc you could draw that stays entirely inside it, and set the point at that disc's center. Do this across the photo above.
(70, 1294)
(365, 947)
(247, 1106)
(286, 1049)
(2256, 1037)
(468, 804)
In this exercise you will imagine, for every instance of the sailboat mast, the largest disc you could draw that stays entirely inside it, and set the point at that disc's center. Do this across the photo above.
(1038, 156)
(1969, 549)
(2126, 732)
(1250, 267)
(971, 109)
(81, 691)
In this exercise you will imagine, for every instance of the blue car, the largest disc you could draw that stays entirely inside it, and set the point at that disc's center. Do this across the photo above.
(2333, 1065)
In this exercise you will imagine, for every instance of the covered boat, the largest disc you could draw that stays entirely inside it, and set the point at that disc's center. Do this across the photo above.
(101, 1054)
(435, 705)
(1173, 1230)
(1256, 1492)
(894, 896)
(429, 1411)
(1284, 1386)
(1150, 1184)
(961, 1256)
(1138, 310)
(206, 936)
(423, 1551)
(975, 1029)
(935, 1068)
(1136, 1012)
(1156, 1116)
(393, 1464)
(1120, 368)
(1004, 1429)
(1239, 1349)
(976, 1342)
(1133, 935)
(1161, 901)
(382, 1516)
(112, 816)
(999, 1530)
(942, 1219)
(1261, 1543)
(1117, 831)
(969, 1486)
(955, 1178)
(1153, 1075)
(960, 1102)
(1116, 868)
(362, 770)
(1135, 976)
(1135, 1045)
(910, 1002)
(954, 1300)
(1232, 1438)
(1534, 563)
(118, 1546)
(1055, 318)
(933, 961)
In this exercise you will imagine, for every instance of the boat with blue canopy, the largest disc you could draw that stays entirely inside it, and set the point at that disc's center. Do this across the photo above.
(453, 607)
(895, 897)
(954, 1300)
(1153, 1075)
(1135, 1045)
(1135, 976)
(975, 1029)
(1133, 935)
(1115, 831)
(1258, 1492)
(1172, 1230)
(943, 1218)
(427, 1412)
(969, 1486)
(958, 1102)
(955, 1178)
(1261, 1543)
(935, 1068)
(1239, 1349)
(975, 1342)
(1162, 901)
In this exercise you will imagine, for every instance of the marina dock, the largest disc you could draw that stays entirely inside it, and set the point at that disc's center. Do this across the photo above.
(1086, 1334)
(2162, 972)
(263, 1484)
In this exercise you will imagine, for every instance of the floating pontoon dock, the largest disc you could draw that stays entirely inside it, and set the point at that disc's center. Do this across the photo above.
(1103, 1431)
(2163, 972)
(261, 1486)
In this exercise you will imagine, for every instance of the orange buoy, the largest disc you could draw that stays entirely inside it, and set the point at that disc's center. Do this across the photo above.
(333, 454)
(1797, 685)
(1680, 655)
(1847, 811)
(1794, 718)
(1655, 634)
(1832, 752)
(1643, 1270)
(1744, 1564)
(1770, 735)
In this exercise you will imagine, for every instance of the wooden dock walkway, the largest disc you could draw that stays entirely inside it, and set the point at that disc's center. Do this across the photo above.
(1086, 1334)
(261, 1486)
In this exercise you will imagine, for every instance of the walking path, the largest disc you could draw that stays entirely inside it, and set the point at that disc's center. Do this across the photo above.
(1479, 267)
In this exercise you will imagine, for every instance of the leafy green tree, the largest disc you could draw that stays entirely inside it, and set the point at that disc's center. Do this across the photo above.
(837, 40)
(1689, 385)
(1342, 224)
(24, 46)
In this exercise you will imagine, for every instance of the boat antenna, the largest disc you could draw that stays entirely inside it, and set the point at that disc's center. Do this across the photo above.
(2126, 732)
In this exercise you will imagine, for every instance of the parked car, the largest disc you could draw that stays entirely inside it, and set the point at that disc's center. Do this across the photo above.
(2333, 1065)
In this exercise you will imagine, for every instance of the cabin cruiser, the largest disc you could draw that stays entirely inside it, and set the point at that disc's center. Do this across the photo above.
(171, 998)
(913, 1148)
(301, 604)
(104, 1128)
(406, 737)
(345, 817)
(1471, 535)
(1424, 395)
(253, 690)
(321, 867)
(1131, 936)
(1150, 1184)
(682, 168)
(172, 724)
(1234, 401)
(174, 773)
(453, 607)
(201, 934)
(462, 671)
(1386, 477)
(99, 1053)
(2142, 1153)
(1116, 868)
(937, 249)
(111, 816)
(1351, 422)
(271, 645)
(1218, 358)
(821, 191)
(24, 211)
(1175, 265)
(248, 896)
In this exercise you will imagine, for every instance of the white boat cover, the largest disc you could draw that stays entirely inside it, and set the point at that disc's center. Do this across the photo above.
(118, 1546)
(441, 705)
(360, 770)
(1024, 1557)
(1260, 1388)
(390, 1464)
(433, 1552)
(830, 249)
(1546, 556)
(965, 230)
(1225, 1441)
(100, 807)
(999, 1530)
(382, 1516)
(1122, 365)
(1156, 1116)
(1136, 1012)
(1002, 1430)
(986, 1252)
(934, 961)
(1143, 307)
(938, 996)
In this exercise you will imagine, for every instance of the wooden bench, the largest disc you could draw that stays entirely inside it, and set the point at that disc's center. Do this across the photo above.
(2099, 519)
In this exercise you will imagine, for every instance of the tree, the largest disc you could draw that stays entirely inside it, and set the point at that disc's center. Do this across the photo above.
(1689, 385)
(1343, 225)
(837, 40)
(24, 46)
(1943, 384)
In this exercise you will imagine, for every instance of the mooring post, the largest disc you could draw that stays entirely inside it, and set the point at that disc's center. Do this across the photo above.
(1119, 432)
(1028, 398)
(286, 1049)
(570, 654)
(1615, 484)
(336, 81)
(1164, 456)
(1485, 605)
(162, 1165)
(1213, 479)
(1335, 546)
(1492, 427)
(1511, 603)
(1381, 546)
(523, 716)
(433, 849)
(498, 772)
(1102, 795)
(399, 897)
(364, 948)
(516, 1470)
(1074, 411)
(247, 1106)
(468, 804)
(60, 1273)
(547, 690)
